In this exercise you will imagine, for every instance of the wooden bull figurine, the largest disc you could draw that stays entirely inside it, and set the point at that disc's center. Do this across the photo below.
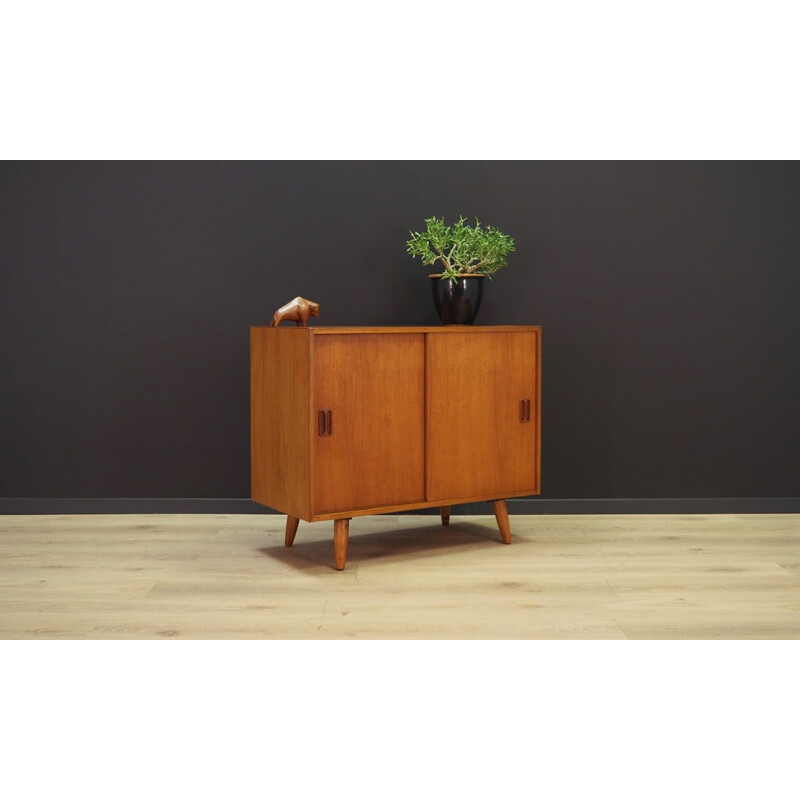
(297, 310)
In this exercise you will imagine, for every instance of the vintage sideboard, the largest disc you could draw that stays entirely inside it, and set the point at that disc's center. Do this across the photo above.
(353, 421)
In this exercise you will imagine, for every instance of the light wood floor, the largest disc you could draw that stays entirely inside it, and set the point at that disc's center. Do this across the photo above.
(563, 577)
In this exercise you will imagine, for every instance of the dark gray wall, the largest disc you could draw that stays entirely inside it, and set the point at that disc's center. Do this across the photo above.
(668, 295)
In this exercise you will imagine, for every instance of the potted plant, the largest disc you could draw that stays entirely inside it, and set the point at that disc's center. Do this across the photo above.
(468, 255)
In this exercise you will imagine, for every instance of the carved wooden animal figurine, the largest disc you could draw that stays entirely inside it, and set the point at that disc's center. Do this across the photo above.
(297, 310)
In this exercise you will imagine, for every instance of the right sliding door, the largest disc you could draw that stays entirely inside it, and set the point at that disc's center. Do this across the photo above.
(482, 413)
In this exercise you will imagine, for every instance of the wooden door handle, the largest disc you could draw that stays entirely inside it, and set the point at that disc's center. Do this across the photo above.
(525, 410)
(324, 422)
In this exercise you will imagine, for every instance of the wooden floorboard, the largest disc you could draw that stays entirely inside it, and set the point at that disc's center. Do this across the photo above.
(563, 577)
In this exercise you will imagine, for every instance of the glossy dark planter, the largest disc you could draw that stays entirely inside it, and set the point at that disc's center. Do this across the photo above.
(457, 300)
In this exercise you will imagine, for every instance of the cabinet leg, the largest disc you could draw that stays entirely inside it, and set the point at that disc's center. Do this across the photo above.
(501, 514)
(291, 530)
(341, 532)
(445, 512)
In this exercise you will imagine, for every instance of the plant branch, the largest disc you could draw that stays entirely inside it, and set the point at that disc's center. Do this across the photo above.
(463, 250)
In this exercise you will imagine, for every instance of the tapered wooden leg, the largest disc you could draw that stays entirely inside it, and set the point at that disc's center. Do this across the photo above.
(341, 531)
(291, 530)
(445, 512)
(501, 514)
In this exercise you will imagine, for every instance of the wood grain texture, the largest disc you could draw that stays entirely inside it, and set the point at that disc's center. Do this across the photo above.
(401, 507)
(337, 330)
(477, 440)
(280, 391)
(566, 577)
(443, 329)
(373, 386)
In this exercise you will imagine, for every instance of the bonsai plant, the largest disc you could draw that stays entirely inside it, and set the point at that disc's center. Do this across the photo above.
(468, 254)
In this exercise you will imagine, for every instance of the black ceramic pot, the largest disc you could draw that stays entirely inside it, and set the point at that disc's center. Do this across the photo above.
(457, 300)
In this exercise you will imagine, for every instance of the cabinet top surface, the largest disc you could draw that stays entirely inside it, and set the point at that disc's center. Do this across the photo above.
(404, 328)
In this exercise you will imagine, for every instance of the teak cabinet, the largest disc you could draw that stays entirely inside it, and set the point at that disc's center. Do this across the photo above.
(353, 421)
